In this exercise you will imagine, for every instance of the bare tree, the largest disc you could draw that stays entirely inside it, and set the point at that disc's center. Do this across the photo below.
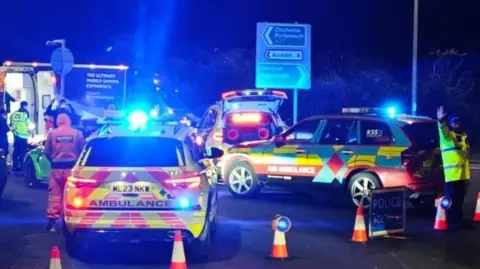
(448, 81)
(346, 80)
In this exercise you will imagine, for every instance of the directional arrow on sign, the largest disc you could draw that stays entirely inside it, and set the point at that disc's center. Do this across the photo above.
(293, 76)
(285, 35)
(284, 55)
(267, 33)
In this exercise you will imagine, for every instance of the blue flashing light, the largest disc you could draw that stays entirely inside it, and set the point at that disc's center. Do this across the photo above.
(137, 119)
(184, 203)
(445, 203)
(154, 113)
(283, 224)
(392, 111)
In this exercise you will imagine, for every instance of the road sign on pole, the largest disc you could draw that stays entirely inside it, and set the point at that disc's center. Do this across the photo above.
(62, 61)
(283, 58)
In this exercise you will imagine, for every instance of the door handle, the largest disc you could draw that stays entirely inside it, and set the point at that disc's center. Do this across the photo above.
(300, 151)
(347, 152)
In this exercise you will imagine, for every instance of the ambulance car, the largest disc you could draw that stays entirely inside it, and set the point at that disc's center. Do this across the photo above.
(359, 150)
(241, 116)
(141, 180)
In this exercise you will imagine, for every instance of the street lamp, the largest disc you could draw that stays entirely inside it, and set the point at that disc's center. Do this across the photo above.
(414, 57)
(62, 44)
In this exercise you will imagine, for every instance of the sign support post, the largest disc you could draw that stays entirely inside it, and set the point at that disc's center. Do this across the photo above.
(295, 106)
(62, 77)
(62, 61)
(283, 58)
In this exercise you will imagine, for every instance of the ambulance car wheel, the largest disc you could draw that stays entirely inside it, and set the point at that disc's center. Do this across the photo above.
(30, 174)
(242, 180)
(72, 245)
(360, 187)
(200, 248)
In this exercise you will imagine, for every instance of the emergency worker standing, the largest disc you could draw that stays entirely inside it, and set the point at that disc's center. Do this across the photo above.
(63, 147)
(456, 164)
(19, 123)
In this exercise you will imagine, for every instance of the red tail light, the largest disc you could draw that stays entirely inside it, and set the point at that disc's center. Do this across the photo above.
(190, 182)
(247, 118)
(79, 182)
(406, 157)
(263, 133)
(217, 136)
(233, 134)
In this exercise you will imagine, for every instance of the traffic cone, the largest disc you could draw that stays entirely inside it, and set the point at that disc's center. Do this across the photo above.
(55, 259)
(279, 248)
(476, 216)
(359, 231)
(178, 254)
(440, 219)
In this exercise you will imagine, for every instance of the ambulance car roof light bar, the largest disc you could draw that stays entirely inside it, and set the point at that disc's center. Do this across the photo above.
(362, 110)
(276, 93)
(138, 119)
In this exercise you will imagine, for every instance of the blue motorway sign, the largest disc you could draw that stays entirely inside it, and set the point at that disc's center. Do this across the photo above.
(283, 56)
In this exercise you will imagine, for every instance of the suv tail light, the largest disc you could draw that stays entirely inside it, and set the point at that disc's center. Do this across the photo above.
(406, 157)
(217, 136)
(76, 182)
(233, 134)
(188, 182)
(263, 133)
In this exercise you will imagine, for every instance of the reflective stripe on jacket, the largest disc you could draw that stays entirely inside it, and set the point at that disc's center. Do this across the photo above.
(455, 154)
(19, 123)
(63, 146)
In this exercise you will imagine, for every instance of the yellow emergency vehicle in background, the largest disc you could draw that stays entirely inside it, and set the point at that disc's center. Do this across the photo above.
(141, 180)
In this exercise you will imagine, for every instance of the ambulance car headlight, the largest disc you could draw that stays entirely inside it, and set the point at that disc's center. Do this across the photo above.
(184, 203)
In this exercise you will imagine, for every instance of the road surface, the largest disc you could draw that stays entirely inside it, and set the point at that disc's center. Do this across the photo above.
(320, 237)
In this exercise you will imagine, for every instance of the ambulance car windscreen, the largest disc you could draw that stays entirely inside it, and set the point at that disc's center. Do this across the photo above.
(134, 152)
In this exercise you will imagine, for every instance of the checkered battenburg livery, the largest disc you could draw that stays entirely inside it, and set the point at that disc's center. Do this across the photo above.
(325, 164)
(103, 208)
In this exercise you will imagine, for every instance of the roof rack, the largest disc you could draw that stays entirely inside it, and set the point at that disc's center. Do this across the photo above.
(255, 92)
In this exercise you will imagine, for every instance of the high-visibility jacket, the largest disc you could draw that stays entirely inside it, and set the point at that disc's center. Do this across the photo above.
(19, 122)
(455, 153)
(64, 144)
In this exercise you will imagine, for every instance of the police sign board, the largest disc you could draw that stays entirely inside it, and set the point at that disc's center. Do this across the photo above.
(283, 56)
(387, 212)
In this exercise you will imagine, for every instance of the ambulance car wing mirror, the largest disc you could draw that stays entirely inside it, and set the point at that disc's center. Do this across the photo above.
(215, 153)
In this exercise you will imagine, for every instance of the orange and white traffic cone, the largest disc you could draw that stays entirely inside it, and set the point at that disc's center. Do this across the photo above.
(55, 259)
(178, 254)
(440, 219)
(279, 248)
(476, 216)
(359, 231)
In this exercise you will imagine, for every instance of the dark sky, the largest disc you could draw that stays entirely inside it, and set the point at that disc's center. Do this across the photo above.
(378, 28)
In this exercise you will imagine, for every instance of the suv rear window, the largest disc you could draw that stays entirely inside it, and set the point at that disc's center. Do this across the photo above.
(423, 134)
(133, 152)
